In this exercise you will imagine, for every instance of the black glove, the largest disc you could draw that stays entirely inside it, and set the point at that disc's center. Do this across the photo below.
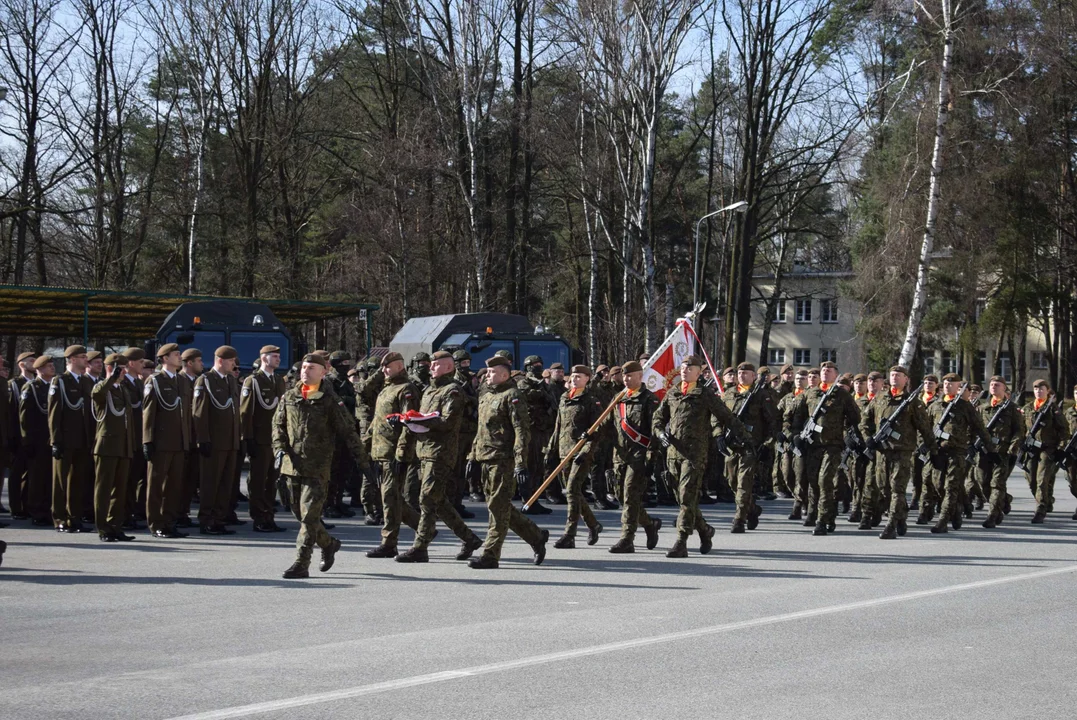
(117, 373)
(395, 422)
(993, 457)
(206, 448)
(663, 437)
(580, 459)
(798, 442)
(474, 472)
(282, 489)
(147, 451)
(938, 461)
(57, 452)
(1059, 456)
(521, 476)
(583, 436)
(871, 444)
(781, 439)
(278, 460)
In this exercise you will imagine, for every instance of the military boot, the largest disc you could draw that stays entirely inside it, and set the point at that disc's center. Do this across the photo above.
(468, 548)
(820, 529)
(956, 520)
(865, 524)
(902, 528)
(811, 518)
(296, 571)
(1039, 517)
(623, 546)
(989, 522)
(679, 549)
(1007, 503)
(652, 533)
(592, 533)
(535, 508)
(796, 514)
(924, 517)
(566, 542)
(753, 517)
(855, 516)
(1074, 516)
(329, 554)
(939, 528)
(980, 503)
(483, 562)
(382, 551)
(413, 555)
(706, 540)
(968, 510)
(738, 527)
(540, 547)
(889, 532)
(466, 514)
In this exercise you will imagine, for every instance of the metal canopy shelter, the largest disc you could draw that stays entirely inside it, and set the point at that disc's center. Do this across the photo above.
(70, 312)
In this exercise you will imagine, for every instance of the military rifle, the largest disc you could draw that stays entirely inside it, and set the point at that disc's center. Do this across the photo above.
(723, 441)
(1070, 451)
(939, 431)
(978, 444)
(886, 430)
(813, 425)
(1030, 444)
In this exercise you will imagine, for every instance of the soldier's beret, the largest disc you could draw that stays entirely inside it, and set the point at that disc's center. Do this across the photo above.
(951, 377)
(631, 366)
(441, 355)
(461, 355)
(498, 361)
(116, 359)
(269, 350)
(729, 371)
(692, 360)
(644, 358)
(786, 368)
(828, 364)
(845, 382)
(391, 358)
(615, 370)
(813, 371)
(598, 370)
(746, 366)
(901, 369)
(148, 364)
(421, 357)
(557, 366)
(531, 360)
(191, 354)
(976, 388)
(860, 377)
(930, 378)
(1039, 383)
(583, 370)
(226, 352)
(802, 373)
(998, 379)
(338, 356)
(134, 353)
(875, 375)
(323, 353)
(504, 354)
(93, 354)
(25, 356)
(73, 350)
(167, 348)
(314, 359)
(42, 362)
(847, 376)
(764, 370)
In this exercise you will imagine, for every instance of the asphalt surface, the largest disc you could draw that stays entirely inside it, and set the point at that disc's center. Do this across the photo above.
(772, 624)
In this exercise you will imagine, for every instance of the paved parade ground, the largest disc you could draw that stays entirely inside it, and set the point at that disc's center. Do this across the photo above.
(772, 624)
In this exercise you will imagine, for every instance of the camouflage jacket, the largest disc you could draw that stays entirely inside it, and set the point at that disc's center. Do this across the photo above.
(759, 416)
(911, 422)
(637, 412)
(1054, 430)
(365, 400)
(504, 428)
(687, 420)
(344, 390)
(468, 424)
(1009, 429)
(441, 441)
(792, 419)
(306, 430)
(386, 442)
(541, 404)
(575, 416)
(963, 424)
(840, 412)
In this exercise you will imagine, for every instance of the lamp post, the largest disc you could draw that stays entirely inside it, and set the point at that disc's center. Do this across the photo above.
(738, 206)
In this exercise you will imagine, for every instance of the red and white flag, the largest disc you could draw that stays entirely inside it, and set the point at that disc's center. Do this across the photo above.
(664, 366)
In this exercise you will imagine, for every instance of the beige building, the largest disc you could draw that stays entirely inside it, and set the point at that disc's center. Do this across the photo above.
(814, 323)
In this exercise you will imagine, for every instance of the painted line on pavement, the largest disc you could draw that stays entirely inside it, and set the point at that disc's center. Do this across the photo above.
(505, 665)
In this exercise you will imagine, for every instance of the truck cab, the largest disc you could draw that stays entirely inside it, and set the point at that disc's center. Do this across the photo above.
(246, 326)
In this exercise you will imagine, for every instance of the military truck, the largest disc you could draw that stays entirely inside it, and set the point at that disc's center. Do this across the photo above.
(482, 335)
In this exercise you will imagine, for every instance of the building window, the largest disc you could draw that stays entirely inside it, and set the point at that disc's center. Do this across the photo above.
(803, 311)
(1039, 360)
(802, 357)
(778, 315)
(1005, 365)
(776, 356)
(828, 311)
(828, 355)
(981, 360)
(949, 363)
(929, 362)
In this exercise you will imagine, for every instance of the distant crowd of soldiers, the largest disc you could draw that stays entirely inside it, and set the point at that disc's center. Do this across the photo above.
(119, 440)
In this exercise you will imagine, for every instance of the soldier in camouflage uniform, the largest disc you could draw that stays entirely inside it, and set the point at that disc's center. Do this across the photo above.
(962, 423)
(823, 455)
(468, 427)
(862, 395)
(793, 464)
(305, 428)
(929, 396)
(578, 411)
(632, 421)
(1007, 432)
(394, 450)
(682, 424)
(557, 380)
(344, 473)
(601, 475)
(1043, 462)
(541, 409)
(781, 481)
(759, 418)
(500, 450)
(436, 443)
(1070, 463)
(893, 457)
(366, 397)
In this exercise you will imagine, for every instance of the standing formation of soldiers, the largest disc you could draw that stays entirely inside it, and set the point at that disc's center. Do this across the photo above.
(117, 440)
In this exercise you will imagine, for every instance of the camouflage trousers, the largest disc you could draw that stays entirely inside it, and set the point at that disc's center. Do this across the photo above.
(499, 485)
(741, 470)
(687, 477)
(307, 499)
(632, 476)
(992, 479)
(893, 471)
(577, 506)
(949, 482)
(434, 504)
(396, 511)
(1041, 479)
(821, 468)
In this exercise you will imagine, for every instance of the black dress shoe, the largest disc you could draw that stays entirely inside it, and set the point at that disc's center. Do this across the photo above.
(61, 527)
(296, 572)
(20, 516)
(592, 533)
(413, 555)
(605, 504)
(329, 554)
(162, 534)
(483, 562)
(537, 509)
(652, 533)
(235, 521)
(706, 499)
(186, 522)
(262, 528)
(243, 498)
(706, 540)
(41, 522)
(345, 511)
(122, 537)
(371, 520)
(382, 551)
(76, 528)
(275, 527)
(106, 537)
(540, 548)
(211, 530)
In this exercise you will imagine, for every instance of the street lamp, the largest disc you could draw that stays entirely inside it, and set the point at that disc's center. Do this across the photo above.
(738, 206)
